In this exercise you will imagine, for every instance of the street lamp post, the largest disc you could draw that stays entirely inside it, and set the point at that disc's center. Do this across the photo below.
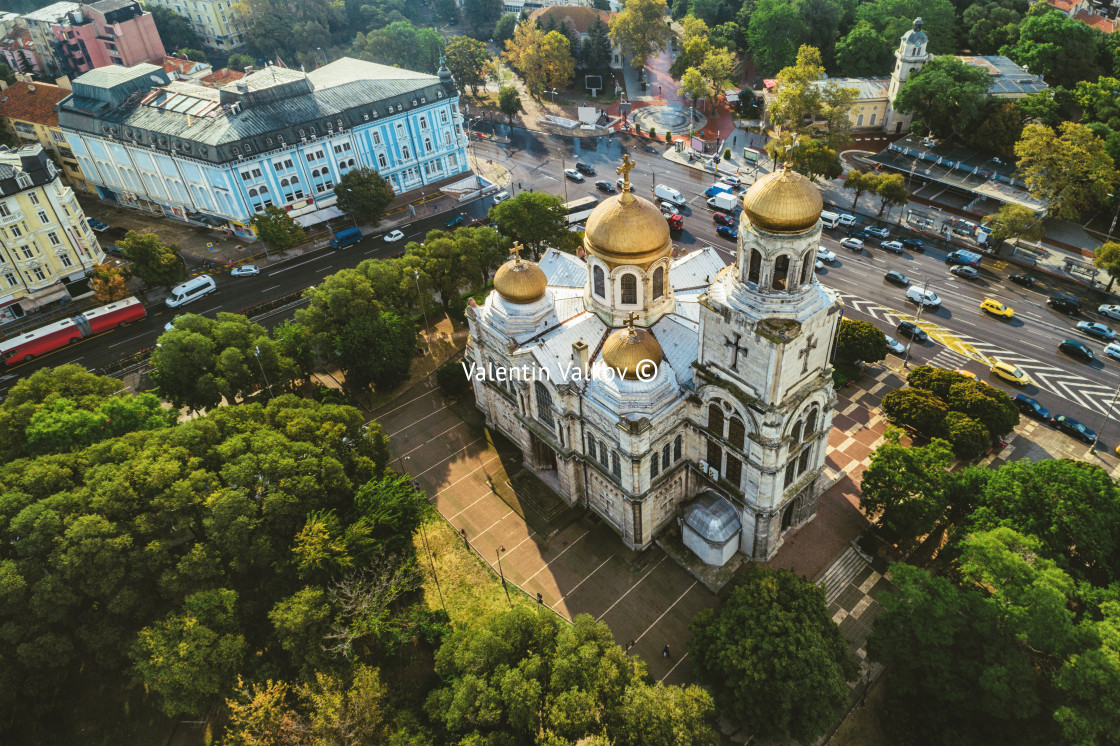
(921, 307)
(1107, 416)
(1114, 216)
(257, 350)
(553, 93)
(420, 299)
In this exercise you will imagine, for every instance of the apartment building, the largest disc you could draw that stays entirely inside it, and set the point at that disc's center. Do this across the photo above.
(215, 21)
(27, 111)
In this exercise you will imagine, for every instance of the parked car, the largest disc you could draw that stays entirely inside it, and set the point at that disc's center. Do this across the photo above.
(1070, 426)
(1100, 331)
(847, 219)
(894, 345)
(1076, 349)
(245, 270)
(730, 179)
(1065, 303)
(1113, 350)
(585, 169)
(897, 278)
(852, 243)
(927, 298)
(393, 236)
(1031, 408)
(964, 272)
(668, 207)
(722, 218)
(895, 246)
(574, 175)
(913, 331)
(1023, 279)
(605, 187)
(1111, 311)
(878, 231)
(825, 255)
(1009, 373)
(456, 221)
(727, 232)
(916, 244)
(995, 308)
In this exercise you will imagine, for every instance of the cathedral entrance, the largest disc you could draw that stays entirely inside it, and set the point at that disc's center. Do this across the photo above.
(544, 457)
(787, 516)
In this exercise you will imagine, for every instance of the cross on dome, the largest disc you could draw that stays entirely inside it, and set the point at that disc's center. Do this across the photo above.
(624, 171)
(516, 250)
(629, 321)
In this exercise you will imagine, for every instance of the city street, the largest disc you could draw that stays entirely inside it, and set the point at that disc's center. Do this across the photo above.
(963, 336)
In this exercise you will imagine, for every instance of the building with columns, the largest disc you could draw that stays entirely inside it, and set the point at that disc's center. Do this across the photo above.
(658, 389)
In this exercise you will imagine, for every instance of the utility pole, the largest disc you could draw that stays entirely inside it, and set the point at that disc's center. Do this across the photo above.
(917, 318)
(1107, 416)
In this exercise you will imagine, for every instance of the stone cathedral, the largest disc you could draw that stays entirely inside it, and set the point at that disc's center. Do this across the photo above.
(658, 389)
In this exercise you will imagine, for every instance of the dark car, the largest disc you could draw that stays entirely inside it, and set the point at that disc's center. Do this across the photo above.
(1070, 426)
(897, 278)
(965, 272)
(456, 221)
(1025, 280)
(913, 331)
(584, 169)
(1031, 407)
(860, 233)
(605, 186)
(1076, 349)
(722, 218)
(1065, 303)
(916, 244)
(729, 233)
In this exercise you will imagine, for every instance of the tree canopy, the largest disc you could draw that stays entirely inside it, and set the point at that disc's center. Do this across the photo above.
(640, 29)
(860, 341)
(151, 260)
(1061, 49)
(365, 194)
(948, 96)
(1069, 168)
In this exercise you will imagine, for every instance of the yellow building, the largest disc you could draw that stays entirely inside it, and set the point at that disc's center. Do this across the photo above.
(46, 245)
(215, 21)
(27, 113)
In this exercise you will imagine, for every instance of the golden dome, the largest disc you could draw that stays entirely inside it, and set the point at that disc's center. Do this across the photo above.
(783, 202)
(520, 281)
(626, 229)
(633, 352)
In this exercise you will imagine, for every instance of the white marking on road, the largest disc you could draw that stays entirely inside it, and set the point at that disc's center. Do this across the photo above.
(674, 668)
(126, 341)
(577, 585)
(429, 440)
(448, 456)
(274, 287)
(492, 525)
(658, 619)
(417, 422)
(624, 595)
(285, 269)
(402, 406)
(489, 491)
(545, 565)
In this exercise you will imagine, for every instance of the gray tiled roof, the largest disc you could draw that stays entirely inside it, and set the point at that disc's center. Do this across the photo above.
(108, 6)
(255, 112)
(31, 159)
(52, 12)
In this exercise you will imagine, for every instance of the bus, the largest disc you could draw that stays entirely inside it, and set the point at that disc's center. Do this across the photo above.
(580, 209)
(58, 334)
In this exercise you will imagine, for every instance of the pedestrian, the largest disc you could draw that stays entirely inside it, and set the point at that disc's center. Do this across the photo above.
(519, 185)
(665, 653)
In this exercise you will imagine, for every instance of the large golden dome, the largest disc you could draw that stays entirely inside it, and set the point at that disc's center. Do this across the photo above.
(626, 229)
(520, 281)
(633, 352)
(783, 202)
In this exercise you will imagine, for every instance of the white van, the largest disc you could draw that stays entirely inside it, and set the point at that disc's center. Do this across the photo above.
(191, 290)
(830, 219)
(501, 196)
(669, 194)
(847, 220)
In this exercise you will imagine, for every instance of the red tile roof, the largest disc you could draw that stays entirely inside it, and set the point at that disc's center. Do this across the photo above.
(1066, 5)
(182, 65)
(1098, 22)
(221, 77)
(32, 102)
(580, 18)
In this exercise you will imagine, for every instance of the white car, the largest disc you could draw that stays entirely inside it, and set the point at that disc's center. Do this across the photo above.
(574, 175)
(245, 270)
(667, 207)
(880, 232)
(852, 243)
(169, 325)
(819, 265)
(825, 255)
(894, 345)
(895, 246)
(393, 236)
(928, 299)
(501, 196)
(847, 219)
(1111, 311)
(1113, 350)
(731, 179)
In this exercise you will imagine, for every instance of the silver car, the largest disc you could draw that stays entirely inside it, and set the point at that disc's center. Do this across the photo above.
(894, 345)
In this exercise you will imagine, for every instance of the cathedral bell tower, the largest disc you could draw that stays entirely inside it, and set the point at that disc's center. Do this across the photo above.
(910, 56)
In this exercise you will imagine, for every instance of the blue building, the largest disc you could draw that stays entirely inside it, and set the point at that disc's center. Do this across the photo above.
(276, 137)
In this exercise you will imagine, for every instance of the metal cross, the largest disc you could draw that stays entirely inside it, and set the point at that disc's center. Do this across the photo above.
(735, 348)
(629, 320)
(516, 250)
(810, 345)
(624, 171)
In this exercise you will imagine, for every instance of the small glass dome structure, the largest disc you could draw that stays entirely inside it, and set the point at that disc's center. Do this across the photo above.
(711, 528)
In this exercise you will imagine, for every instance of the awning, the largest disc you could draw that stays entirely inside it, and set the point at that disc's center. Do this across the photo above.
(318, 216)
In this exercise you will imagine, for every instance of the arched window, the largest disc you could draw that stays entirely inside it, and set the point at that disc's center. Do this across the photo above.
(616, 468)
(252, 193)
(405, 153)
(380, 162)
(658, 283)
(715, 419)
(781, 269)
(604, 459)
(597, 275)
(428, 144)
(790, 473)
(653, 465)
(803, 462)
(295, 180)
(544, 403)
(629, 289)
(677, 442)
(284, 183)
(665, 454)
(736, 433)
(795, 435)
(314, 173)
(756, 266)
(859, 120)
(872, 122)
(807, 267)
(811, 423)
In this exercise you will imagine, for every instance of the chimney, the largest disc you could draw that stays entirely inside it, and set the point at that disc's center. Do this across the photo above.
(579, 356)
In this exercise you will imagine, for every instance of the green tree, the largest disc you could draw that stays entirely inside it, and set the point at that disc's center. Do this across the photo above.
(938, 381)
(661, 715)
(447, 262)
(1089, 714)
(1041, 108)
(175, 31)
(947, 95)
(718, 67)
(400, 44)
(999, 128)
(915, 409)
(595, 52)
(967, 435)
(812, 157)
(893, 18)
(509, 102)
(7, 74)
(531, 218)
(860, 341)
(302, 622)
(482, 15)
(986, 404)
(891, 191)
(694, 85)
(358, 714)
(468, 60)
(239, 62)
(64, 425)
(864, 53)
(695, 46)
(746, 655)
(1061, 49)
(1070, 171)
(544, 60)
(276, 228)
(503, 29)
(860, 182)
(993, 24)
(376, 350)
(365, 194)
(448, 11)
(151, 260)
(640, 30)
(1014, 222)
(774, 34)
(905, 488)
(1107, 257)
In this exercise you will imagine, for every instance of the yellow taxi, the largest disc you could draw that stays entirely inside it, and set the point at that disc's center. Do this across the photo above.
(1009, 373)
(967, 374)
(995, 308)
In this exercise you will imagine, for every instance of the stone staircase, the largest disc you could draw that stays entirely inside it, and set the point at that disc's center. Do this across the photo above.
(842, 572)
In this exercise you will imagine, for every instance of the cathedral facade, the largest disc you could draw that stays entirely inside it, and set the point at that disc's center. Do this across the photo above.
(657, 389)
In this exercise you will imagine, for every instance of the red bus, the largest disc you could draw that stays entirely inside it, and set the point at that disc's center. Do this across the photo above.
(68, 331)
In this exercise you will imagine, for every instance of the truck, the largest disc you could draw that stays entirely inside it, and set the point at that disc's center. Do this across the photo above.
(723, 202)
(717, 188)
(676, 222)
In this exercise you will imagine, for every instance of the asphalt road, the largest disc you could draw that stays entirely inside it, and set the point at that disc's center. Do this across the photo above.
(962, 335)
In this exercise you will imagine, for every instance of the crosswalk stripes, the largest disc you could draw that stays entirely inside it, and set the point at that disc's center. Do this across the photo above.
(947, 358)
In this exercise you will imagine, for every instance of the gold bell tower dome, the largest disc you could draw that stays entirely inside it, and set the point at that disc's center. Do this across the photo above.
(519, 280)
(783, 202)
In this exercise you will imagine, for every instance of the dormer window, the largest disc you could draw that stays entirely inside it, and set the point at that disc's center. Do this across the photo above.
(23, 180)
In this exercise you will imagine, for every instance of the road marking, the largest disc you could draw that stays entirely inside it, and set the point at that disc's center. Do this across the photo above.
(448, 456)
(429, 440)
(274, 287)
(674, 668)
(490, 491)
(546, 565)
(417, 422)
(466, 476)
(125, 341)
(309, 261)
(658, 619)
(624, 595)
(492, 525)
(415, 398)
(587, 577)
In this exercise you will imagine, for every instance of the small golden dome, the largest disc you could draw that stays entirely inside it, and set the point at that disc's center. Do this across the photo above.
(520, 281)
(626, 229)
(633, 352)
(783, 202)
